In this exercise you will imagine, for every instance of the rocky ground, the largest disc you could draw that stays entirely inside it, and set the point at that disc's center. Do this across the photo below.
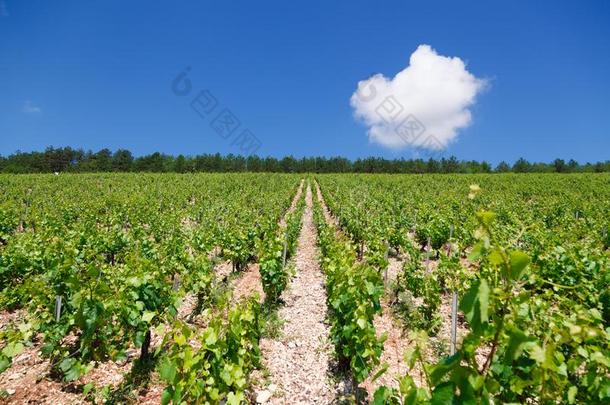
(298, 361)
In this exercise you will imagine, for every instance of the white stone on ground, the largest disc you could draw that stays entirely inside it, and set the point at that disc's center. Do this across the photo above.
(298, 361)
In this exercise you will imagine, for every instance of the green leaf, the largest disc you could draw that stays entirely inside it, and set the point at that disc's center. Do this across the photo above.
(537, 354)
(572, 391)
(543, 356)
(211, 337)
(138, 339)
(495, 257)
(66, 364)
(87, 388)
(381, 371)
(12, 349)
(147, 316)
(382, 396)
(476, 252)
(167, 371)
(486, 217)
(518, 264)
(443, 394)
(475, 304)
(74, 372)
(582, 351)
(134, 281)
(180, 339)
(484, 300)
(604, 391)
(516, 343)
(235, 399)
(444, 367)
(166, 397)
(5, 363)
(598, 357)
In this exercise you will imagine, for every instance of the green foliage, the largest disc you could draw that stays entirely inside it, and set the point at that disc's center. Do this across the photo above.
(77, 160)
(434, 229)
(530, 352)
(238, 246)
(121, 251)
(416, 295)
(354, 290)
(533, 291)
(273, 275)
(278, 243)
(212, 365)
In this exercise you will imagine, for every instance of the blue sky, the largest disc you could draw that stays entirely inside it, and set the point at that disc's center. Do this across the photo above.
(96, 75)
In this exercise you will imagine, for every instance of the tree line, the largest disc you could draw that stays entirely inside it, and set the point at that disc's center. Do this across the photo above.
(67, 159)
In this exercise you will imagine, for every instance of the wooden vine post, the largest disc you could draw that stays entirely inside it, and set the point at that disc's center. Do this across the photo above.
(57, 307)
(285, 249)
(428, 248)
(454, 304)
(385, 257)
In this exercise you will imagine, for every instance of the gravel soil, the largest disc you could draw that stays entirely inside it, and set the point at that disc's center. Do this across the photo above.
(298, 361)
(397, 340)
(247, 284)
(27, 381)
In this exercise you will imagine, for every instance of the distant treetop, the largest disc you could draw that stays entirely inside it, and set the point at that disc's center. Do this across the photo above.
(67, 159)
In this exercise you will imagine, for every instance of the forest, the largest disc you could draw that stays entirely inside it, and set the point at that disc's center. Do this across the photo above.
(68, 159)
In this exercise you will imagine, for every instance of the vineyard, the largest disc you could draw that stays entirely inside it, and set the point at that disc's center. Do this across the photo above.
(287, 288)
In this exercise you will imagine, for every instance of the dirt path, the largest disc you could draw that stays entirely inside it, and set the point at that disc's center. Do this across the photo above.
(325, 210)
(247, 284)
(298, 361)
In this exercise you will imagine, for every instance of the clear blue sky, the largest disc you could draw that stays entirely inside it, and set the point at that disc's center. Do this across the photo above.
(98, 74)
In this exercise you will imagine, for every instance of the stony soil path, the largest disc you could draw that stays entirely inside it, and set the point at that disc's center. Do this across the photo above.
(298, 361)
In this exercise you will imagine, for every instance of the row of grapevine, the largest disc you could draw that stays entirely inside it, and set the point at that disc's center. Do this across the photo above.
(277, 248)
(354, 290)
(99, 261)
(530, 261)
(97, 265)
(212, 364)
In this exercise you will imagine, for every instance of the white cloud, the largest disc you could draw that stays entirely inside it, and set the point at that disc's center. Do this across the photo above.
(30, 108)
(423, 106)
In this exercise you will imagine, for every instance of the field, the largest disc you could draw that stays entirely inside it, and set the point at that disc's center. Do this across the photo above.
(292, 288)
